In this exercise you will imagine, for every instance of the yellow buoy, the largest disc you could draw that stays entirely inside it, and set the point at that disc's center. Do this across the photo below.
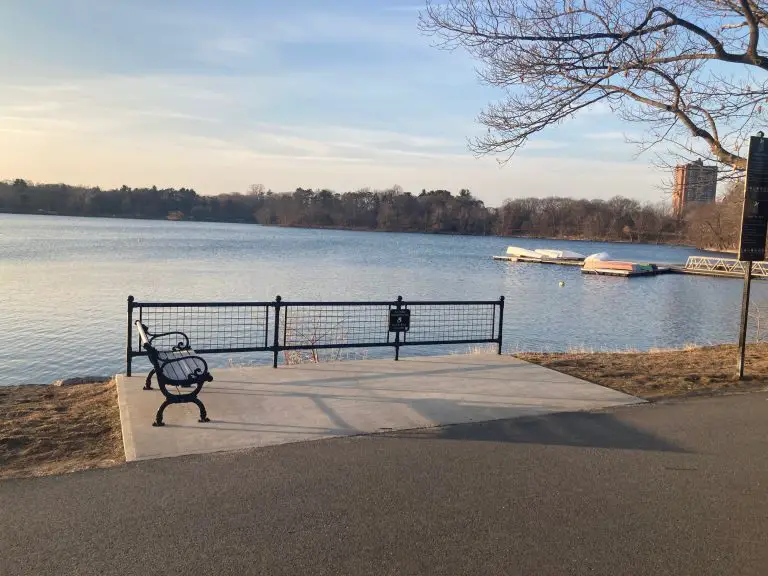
(562, 283)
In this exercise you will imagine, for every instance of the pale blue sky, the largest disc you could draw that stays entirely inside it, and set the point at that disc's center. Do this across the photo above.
(219, 95)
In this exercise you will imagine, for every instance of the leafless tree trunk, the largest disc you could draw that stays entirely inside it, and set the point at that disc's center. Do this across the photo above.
(692, 71)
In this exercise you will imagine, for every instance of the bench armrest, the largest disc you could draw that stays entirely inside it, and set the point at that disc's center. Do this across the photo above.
(182, 345)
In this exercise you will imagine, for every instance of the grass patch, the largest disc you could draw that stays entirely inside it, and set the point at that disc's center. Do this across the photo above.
(663, 373)
(54, 430)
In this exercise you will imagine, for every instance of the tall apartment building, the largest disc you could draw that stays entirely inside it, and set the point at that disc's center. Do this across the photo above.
(694, 183)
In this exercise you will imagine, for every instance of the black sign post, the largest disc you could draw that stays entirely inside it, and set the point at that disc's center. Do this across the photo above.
(399, 323)
(754, 225)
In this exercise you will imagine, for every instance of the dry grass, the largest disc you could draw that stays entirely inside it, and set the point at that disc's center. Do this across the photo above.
(52, 430)
(663, 373)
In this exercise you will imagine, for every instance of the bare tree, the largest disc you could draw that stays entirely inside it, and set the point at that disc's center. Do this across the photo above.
(256, 189)
(691, 71)
(716, 225)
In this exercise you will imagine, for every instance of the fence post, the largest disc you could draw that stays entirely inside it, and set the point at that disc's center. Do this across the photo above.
(501, 321)
(129, 347)
(398, 306)
(276, 340)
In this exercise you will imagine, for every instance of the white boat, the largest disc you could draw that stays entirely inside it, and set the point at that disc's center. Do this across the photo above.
(598, 257)
(559, 254)
(522, 252)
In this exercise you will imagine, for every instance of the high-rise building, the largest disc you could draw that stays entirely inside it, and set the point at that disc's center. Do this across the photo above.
(694, 183)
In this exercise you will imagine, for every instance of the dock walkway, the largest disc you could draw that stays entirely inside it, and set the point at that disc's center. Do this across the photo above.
(696, 265)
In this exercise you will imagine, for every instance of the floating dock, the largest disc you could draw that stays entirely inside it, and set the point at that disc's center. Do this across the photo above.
(697, 265)
(626, 273)
(560, 261)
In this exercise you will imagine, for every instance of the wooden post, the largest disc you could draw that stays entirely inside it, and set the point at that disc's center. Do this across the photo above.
(744, 318)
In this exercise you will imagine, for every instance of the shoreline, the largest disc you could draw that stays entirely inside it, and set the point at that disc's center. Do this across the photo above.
(730, 251)
(50, 430)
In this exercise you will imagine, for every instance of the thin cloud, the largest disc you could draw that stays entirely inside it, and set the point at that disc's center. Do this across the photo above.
(412, 8)
(613, 135)
(597, 109)
(545, 145)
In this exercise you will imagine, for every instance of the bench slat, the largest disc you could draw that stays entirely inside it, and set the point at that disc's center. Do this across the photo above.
(184, 365)
(175, 370)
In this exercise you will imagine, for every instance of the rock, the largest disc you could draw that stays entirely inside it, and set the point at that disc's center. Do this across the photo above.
(82, 380)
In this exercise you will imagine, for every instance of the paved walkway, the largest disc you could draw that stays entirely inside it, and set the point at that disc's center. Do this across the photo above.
(675, 489)
(261, 406)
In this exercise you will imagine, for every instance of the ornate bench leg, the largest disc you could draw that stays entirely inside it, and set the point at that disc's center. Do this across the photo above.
(148, 383)
(159, 417)
(203, 413)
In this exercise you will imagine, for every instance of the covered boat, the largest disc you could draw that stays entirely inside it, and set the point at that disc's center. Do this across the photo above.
(522, 253)
(559, 254)
(599, 257)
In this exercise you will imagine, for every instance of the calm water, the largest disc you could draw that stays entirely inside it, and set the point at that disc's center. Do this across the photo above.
(64, 283)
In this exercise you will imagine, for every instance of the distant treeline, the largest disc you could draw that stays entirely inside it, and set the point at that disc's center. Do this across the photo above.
(434, 211)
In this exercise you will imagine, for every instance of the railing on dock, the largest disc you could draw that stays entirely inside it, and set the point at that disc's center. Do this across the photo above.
(279, 326)
(725, 266)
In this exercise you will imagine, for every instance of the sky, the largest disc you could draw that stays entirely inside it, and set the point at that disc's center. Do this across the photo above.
(217, 96)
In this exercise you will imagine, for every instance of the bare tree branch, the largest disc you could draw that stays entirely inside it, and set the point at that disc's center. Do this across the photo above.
(653, 62)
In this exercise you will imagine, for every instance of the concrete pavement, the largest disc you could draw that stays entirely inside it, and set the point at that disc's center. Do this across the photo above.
(676, 489)
(260, 406)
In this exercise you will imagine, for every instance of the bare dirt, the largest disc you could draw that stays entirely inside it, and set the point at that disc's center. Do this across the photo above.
(665, 373)
(54, 430)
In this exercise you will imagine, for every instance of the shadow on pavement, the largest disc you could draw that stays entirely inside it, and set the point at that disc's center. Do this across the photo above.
(582, 429)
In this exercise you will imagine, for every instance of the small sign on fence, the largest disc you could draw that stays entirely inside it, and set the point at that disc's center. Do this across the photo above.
(399, 320)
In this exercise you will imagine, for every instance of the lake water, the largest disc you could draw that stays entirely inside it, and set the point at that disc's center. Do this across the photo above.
(64, 284)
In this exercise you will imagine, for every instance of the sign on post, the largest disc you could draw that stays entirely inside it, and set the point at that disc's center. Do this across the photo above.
(399, 320)
(754, 219)
(754, 225)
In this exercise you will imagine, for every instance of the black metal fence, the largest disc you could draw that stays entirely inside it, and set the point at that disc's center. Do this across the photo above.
(278, 326)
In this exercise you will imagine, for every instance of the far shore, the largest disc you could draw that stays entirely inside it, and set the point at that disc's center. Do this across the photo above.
(360, 229)
(55, 430)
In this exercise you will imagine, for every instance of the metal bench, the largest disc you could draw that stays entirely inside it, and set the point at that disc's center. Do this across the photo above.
(175, 365)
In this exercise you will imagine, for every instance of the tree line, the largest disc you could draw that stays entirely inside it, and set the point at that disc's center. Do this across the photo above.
(393, 209)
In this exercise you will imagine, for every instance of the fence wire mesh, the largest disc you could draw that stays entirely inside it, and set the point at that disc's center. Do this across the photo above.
(213, 328)
(452, 322)
(321, 324)
(318, 327)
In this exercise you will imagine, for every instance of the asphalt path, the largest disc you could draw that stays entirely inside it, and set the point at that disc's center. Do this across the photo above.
(675, 488)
